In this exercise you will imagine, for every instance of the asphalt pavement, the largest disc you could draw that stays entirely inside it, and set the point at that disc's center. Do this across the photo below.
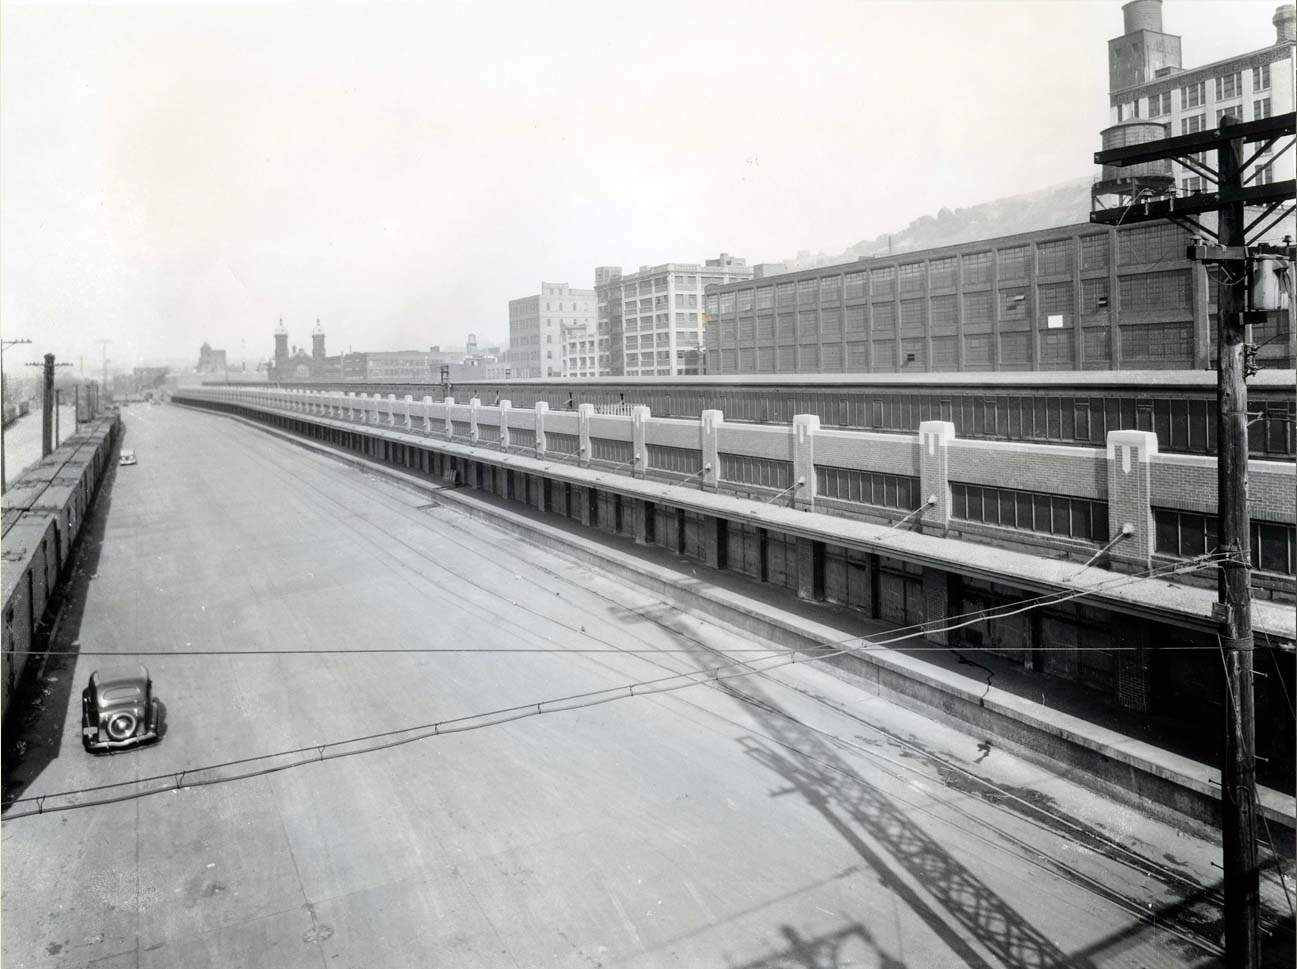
(783, 819)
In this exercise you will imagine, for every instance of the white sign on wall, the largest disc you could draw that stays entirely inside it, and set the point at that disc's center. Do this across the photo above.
(1055, 322)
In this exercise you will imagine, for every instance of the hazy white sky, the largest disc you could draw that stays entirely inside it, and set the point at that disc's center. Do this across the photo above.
(177, 173)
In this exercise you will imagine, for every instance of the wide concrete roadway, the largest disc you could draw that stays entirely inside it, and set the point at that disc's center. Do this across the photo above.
(800, 823)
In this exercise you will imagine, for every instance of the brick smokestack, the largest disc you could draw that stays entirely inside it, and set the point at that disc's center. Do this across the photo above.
(1285, 24)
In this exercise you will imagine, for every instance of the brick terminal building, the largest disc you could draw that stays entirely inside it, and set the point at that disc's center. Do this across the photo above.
(1080, 297)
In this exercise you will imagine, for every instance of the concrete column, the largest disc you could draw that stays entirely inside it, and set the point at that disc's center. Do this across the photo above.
(581, 503)
(936, 605)
(391, 410)
(583, 414)
(1130, 493)
(1134, 661)
(806, 568)
(505, 406)
(540, 409)
(349, 405)
(474, 404)
(710, 434)
(450, 425)
(362, 408)
(934, 472)
(427, 415)
(639, 508)
(537, 487)
(639, 416)
(711, 540)
(805, 427)
(408, 401)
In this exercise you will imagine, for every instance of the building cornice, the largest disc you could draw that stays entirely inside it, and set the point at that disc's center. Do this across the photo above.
(1257, 58)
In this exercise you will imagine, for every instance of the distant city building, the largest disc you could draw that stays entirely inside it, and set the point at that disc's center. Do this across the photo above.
(608, 320)
(580, 350)
(536, 327)
(280, 371)
(400, 366)
(662, 314)
(1151, 95)
(1080, 297)
(211, 361)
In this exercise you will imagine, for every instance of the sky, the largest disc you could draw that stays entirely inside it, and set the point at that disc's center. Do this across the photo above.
(180, 173)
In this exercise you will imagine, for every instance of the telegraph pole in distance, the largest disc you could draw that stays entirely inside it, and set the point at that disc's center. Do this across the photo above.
(103, 347)
(4, 343)
(1237, 307)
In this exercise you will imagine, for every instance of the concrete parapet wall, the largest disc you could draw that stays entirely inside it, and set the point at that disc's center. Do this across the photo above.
(1077, 471)
(44, 511)
(867, 451)
(1174, 482)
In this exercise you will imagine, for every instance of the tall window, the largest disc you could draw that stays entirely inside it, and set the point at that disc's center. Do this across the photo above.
(1261, 78)
(1191, 124)
(1260, 109)
(1159, 105)
(1191, 96)
(1229, 86)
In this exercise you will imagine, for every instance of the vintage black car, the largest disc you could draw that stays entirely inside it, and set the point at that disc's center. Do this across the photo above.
(118, 711)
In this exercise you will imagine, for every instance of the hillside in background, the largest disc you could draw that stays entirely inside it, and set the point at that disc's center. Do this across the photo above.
(1063, 204)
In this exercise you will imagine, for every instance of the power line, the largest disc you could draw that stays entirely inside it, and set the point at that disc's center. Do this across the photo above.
(327, 751)
(486, 651)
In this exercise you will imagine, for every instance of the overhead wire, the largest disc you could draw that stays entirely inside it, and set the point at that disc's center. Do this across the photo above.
(526, 710)
(510, 714)
(459, 724)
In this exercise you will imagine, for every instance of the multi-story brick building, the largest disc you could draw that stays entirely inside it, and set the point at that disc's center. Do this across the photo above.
(1147, 81)
(580, 350)
(536, 327)
(608, 309)
(662, 314)
(1080, 297)
(399, 365)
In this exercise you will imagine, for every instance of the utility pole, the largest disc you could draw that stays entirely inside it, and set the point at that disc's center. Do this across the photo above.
(47, 404)
(1238, 264)
(103, 346)
(4, 343)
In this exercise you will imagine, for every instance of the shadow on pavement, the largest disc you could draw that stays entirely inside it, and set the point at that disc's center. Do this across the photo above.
(33, 726)
(851, 946)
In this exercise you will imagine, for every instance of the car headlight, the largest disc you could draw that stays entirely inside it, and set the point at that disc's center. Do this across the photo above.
(121, 725)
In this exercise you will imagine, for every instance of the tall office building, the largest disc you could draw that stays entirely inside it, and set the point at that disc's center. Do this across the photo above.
(662, 314)
(536, 325)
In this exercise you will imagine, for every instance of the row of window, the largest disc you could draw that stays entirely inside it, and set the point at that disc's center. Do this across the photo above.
(1186, 534)
(1140, 245)
(743, 469)
(1031, 511)
(1193, 95)
(868, 487)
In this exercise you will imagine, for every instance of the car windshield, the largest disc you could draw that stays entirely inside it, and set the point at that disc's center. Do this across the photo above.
(115, 694)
